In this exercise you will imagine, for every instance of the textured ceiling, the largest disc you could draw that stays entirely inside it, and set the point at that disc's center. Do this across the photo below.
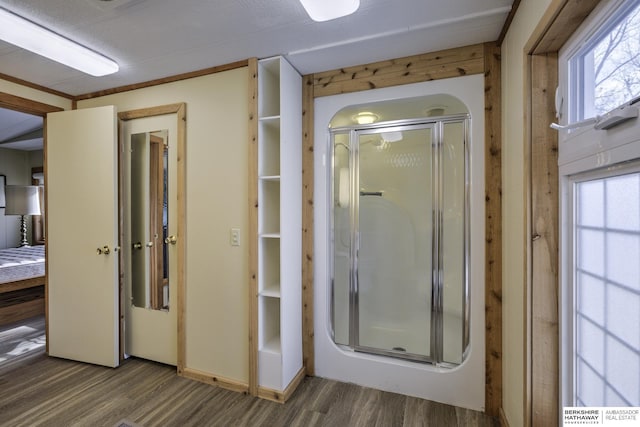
(157, 38)
(152, 39)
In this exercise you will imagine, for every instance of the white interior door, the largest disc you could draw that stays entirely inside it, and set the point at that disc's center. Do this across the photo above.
(151, 333)
(82, 217)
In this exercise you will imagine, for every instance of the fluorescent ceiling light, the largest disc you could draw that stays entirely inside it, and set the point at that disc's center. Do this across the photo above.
(325, 10)
(30, 36)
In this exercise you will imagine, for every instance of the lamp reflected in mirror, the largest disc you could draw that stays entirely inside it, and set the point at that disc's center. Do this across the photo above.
(22, 200)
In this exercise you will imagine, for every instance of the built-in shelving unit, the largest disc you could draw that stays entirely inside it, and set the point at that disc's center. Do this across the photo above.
(279, 227)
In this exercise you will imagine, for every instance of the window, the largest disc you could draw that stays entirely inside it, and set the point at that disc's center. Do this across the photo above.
(606, 270)
(599, 169)
(605, 69)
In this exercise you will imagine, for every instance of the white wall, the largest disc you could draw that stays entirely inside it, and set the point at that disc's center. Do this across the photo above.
(513, 211)
(217, 282)
(465, 385)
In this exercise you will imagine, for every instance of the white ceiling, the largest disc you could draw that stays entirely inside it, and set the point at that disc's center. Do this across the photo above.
(20, 131)
(158, 38)
(151, 39)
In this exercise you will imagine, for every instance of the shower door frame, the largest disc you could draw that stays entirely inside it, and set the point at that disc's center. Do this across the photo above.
(436, 125)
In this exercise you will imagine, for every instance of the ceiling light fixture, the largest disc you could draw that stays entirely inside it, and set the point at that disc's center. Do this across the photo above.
(365, 118)
(325, 10)
(37, 39)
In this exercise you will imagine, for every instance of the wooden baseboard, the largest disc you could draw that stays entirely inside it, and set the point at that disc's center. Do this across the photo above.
(503, 419)
(21, 311)
(282, 396)
(215, 380)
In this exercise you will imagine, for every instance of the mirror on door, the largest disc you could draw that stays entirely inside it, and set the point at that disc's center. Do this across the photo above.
(148, 212)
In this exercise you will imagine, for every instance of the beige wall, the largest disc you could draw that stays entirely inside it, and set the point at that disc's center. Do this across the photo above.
(217, 282)
(513, 196)
(34, 94)
(36, 159)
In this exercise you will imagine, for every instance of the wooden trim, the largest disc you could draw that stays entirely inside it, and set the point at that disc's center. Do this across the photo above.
(544, 237)
(503, 419)
(560, 21)
(180, 109)
(25, 105)
(22, 310)
(151, 111)
(308, 347)
(270, 394)
(419, 68)
(253, 226)
(121, 239)
(46, 231)
(541, 358)
(282, 396)
(181, 114)
(21, 284)
(295, 382)
(493, 230)
(215, 380)
(526, 273)
(34, 86)
(163, 80)
(507, 23)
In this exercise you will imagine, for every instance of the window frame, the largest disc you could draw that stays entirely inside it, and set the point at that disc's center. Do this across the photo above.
(606, 16)
(568, 253)
(584, 154)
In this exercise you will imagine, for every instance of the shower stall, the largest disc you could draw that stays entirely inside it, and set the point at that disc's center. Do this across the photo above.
(399, 231)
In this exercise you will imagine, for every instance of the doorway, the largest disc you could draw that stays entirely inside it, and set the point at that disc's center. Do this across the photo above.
(90, 302)
(22, 258)
(151, 232)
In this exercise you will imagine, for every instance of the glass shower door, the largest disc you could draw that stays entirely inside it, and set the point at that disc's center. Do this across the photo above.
(394, 189)
(399, 213)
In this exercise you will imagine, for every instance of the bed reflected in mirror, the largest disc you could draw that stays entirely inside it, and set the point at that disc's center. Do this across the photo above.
(147, 230)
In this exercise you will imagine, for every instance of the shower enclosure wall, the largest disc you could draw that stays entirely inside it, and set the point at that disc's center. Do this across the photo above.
(399, 239)
(399, 283)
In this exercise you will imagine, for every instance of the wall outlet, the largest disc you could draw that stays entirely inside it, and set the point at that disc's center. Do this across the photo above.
(234, 237)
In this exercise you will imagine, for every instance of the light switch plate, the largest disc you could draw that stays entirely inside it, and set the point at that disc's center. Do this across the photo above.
(234, 237)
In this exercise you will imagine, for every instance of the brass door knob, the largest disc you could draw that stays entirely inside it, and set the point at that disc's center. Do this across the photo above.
(171, 239)
(137, 245)
(103, 250)
(149, 244)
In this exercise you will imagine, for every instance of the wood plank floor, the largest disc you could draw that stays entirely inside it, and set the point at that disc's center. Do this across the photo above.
(21, 340)
(44, 391)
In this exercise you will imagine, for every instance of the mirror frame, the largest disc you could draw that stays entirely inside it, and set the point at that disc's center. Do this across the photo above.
(179, 109)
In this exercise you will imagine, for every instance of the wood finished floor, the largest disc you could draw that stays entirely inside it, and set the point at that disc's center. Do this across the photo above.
(44, 391)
